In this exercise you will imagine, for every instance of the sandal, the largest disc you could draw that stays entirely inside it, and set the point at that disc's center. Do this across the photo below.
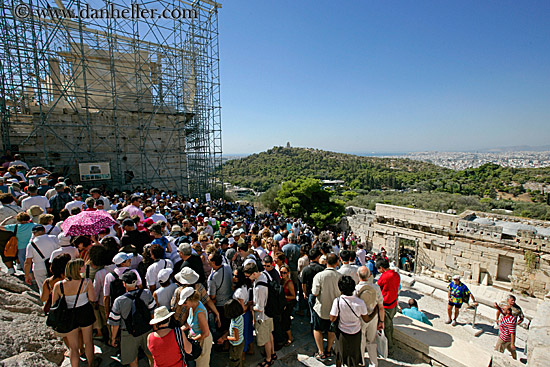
(265, 363)
(274, 357)
(289, 342)
(320, 356)
(328, 353)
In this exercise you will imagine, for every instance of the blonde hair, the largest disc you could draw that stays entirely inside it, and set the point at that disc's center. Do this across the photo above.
(210, 249)
(72, 270)
(45, 219)
(203, 237)
(195, 297)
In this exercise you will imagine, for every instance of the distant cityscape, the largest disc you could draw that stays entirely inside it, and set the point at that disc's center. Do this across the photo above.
(463, 160)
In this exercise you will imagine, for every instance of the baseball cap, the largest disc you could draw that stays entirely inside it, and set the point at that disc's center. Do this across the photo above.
(121, 257)
(223, 224)
(38, 228)
(456, 277)
(128, 222)
(164, 275)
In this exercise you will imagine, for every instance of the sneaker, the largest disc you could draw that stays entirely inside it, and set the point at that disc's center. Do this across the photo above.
(454, 323)
(448, 321)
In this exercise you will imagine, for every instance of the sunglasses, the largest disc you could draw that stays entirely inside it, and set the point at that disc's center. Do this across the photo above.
(284, 272)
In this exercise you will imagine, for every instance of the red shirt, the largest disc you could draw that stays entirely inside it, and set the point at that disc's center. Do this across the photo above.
(389, 285)
(165, 351)
(506, 328)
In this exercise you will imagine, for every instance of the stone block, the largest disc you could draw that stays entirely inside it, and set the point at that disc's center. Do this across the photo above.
(438, 293)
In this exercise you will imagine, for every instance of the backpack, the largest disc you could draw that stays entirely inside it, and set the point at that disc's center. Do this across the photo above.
(10, 250)
(116, 288)
(137, 322)
(276, 299)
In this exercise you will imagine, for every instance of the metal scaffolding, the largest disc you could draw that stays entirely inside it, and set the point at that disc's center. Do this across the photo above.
(142, 93)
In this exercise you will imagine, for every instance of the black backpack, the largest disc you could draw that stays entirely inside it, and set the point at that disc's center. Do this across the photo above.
(137, 322)
(276, 299)
(116, 288)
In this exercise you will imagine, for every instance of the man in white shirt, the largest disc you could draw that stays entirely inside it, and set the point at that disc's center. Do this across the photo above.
(361, 254)
(262, 323)
(76, 203)
(347, 268)
(39, 250)
(157, 254)
(35, 199)
(371, 294)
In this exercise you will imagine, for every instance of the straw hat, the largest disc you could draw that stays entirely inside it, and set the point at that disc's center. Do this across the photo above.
(35, 211)
(160, 315)
(187, 276)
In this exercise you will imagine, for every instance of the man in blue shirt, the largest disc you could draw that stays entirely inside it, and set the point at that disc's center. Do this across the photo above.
(414, 313)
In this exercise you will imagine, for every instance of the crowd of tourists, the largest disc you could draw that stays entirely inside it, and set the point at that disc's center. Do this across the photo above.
(181, 279)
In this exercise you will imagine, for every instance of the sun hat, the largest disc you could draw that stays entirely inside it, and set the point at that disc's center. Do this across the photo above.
(35, 211)
(160, 315)
(186, 293)
(176, 228)
(187, 276)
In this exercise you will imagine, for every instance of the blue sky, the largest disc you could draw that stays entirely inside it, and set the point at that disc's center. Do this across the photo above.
(384, 76)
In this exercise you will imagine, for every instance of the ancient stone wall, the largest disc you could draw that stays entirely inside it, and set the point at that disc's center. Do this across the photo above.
(448, 244)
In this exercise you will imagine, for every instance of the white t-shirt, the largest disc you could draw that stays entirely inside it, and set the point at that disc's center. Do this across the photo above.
(55, 231)
(349, 322)
(241, 293)
(261, 252)
(361, 255)
(39, 200)
(71, 250)
(156, 217)
(153, 271)
(46, 244)
(74, 204)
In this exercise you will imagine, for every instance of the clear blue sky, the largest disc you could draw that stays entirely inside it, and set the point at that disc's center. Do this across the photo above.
(385, 76)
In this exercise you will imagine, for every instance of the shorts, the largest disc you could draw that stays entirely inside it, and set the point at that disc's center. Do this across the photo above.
(263, 331)
(457, 305)
(319, 324)
(129, 346)
(502, 345)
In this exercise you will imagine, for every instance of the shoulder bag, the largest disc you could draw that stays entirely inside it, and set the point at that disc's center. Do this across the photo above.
(10, 250)
(61, 318)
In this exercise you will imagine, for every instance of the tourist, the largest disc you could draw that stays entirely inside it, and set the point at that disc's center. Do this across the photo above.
(347, 267)
(23, 232)
(325, 290)
(241, 286)
(159, 263)
(47, 221)
(162, 342)
(262, 323)
(188, 278)
(57, 268)
(267, 263)
(132, 236)
(191, 260)
(292, 254)
(38, 255)
(307, 275)
(59, 200)
(389, 285)
(77, 292)
(122, 263)
(122, 307)
(515, 309)
(371, 294)
(458, 294)
(349, 310)
(233, 311)
(197, 323)
(220, 289)
(34, 199)
(290, 295)
(361, 254)
(163, 295)
(506, 331)
(414, 313)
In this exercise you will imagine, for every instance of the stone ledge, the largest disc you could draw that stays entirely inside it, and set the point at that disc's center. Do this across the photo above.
(437, 345)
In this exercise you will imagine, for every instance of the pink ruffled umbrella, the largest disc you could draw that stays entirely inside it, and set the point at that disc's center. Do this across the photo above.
(87, 223)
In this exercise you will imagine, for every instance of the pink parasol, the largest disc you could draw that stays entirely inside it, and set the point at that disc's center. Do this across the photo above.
(87, 223)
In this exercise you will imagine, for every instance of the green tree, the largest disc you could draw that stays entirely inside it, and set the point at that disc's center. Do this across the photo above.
(305, 198)
(268, 198)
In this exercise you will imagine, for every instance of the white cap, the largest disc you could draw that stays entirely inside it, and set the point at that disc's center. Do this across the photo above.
(121, 257)
(456, 277)
(164, 275)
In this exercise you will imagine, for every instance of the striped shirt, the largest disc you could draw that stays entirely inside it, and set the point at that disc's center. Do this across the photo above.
(506, 328)
(237, 323)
